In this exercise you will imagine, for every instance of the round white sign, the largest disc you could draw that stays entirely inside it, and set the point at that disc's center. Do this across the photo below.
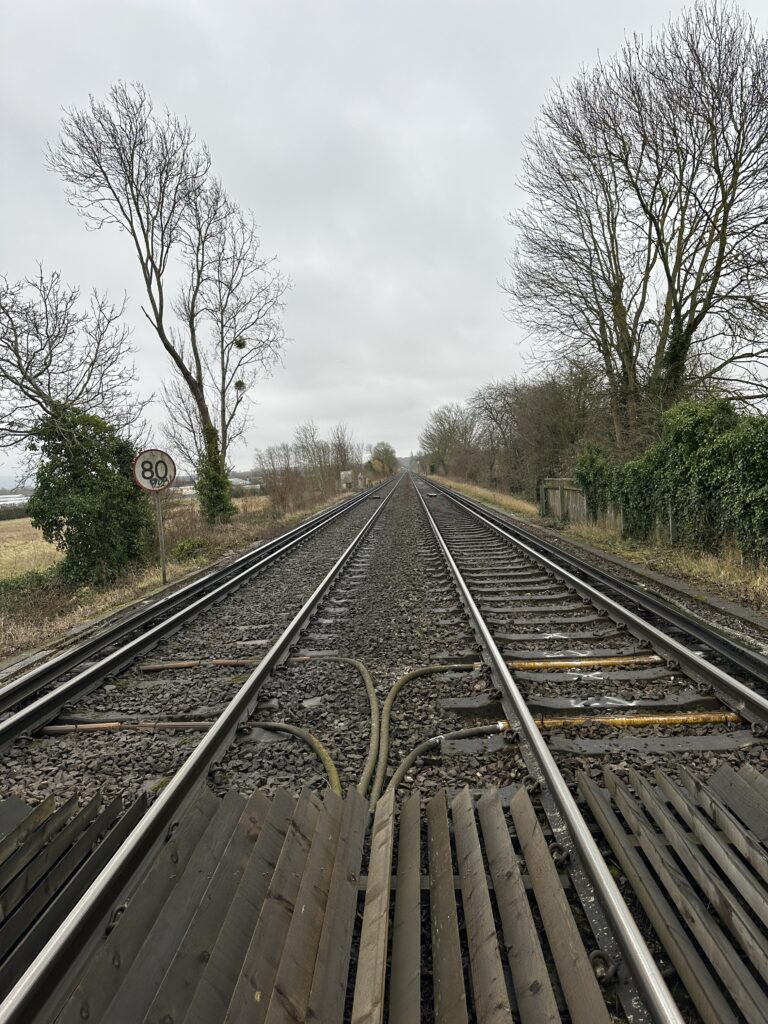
(154, 470)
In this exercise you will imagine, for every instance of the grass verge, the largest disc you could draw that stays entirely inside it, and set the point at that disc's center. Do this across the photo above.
(36, 605)
(725, 572)
(498, 499)
(23, 550)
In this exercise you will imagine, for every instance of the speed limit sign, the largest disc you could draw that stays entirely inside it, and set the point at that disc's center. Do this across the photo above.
(154, 470)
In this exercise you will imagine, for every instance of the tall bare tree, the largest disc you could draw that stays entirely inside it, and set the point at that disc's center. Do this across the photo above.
(313, 455)
(345, 451)
(643, 238)
(242, 300)
(126, 164)
(57, 354)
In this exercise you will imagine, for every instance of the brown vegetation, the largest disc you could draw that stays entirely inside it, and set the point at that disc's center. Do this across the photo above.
(36, 606)
(22, 549)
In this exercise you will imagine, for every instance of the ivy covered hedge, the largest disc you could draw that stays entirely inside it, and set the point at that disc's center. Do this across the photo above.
(710, 468)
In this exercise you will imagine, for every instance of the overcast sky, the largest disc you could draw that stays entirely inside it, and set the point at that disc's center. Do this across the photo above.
(377, 143)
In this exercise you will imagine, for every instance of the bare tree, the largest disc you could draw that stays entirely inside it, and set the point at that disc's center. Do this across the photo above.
(182, 428)
(345, 452)
(644, 235)
(56, 354)
(241, 303)
(126, 164)
(311, 464)
(313, 454)
(449, 437)
(283, 480)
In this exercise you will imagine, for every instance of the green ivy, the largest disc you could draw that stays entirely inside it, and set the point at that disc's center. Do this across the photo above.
(595, 473)
(213, 487)
(710, 468)
(85, 500)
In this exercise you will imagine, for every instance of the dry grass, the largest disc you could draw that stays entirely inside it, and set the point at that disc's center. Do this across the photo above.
(506, 502)
(22, 549)
(724, 572)
(35, 606)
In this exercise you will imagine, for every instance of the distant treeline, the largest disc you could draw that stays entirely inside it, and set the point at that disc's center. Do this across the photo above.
(13, 512)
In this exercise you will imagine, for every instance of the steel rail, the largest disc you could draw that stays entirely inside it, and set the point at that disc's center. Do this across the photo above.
(737, 695)
(31, 993)
(46, 707)
(43, 675)
(753, 662)
(639, 959)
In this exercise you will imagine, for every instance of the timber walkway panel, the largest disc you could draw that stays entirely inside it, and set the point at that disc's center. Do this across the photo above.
(452, 909)
(256, 910)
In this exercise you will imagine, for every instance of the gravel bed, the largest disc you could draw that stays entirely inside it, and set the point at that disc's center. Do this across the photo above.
(89, 763)
(602, 683)
(242, 626)
(395, 609)
(743, 630)
(533, 633)
(704, 762)
(327, 699)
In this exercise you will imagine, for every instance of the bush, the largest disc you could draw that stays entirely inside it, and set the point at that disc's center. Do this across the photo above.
(85, 500)
(13, 512)
(710, 468)
(13, 588)
(189, 549)
(595, 472)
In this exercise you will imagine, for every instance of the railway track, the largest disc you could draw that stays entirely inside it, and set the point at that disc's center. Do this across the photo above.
(34, 697)
(618, 597)
(555, 809)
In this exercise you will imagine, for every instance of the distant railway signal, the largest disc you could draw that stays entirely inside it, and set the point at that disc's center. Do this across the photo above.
(153, 471)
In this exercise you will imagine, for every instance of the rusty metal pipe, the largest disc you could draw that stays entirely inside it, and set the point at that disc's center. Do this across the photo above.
(141, 726)
(644, 721)
(613, 662)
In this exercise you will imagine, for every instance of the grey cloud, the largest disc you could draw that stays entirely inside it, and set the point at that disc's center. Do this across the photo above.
(377, 143)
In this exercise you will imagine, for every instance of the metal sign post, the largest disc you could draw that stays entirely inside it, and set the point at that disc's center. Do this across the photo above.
(153, 471)
(161, 535)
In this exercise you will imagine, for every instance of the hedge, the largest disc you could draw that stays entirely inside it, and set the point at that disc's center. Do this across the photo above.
(710, 467)
(13, 512)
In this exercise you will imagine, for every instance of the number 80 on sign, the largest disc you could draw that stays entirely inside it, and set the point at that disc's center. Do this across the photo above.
(154, 470)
